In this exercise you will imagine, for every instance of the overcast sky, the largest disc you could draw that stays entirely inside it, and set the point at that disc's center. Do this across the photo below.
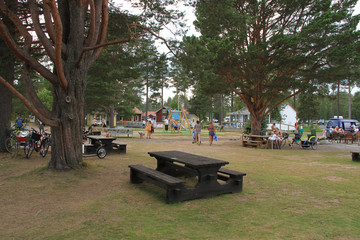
(190, 17)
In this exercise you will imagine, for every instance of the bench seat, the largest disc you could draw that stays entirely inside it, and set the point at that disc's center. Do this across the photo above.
(172, 185)
(119, 147)
(256, 143)
(355, 156)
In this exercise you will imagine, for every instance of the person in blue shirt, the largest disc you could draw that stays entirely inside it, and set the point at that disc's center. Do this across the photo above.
(19, 122)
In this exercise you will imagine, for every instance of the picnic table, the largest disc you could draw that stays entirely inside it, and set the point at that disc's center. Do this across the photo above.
(107, 142)
(254, 140)
(174, 164)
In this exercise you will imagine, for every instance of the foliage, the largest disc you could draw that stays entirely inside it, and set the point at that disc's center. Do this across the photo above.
(308, 107)
(275, 114)
(267, 51)
(355, 105)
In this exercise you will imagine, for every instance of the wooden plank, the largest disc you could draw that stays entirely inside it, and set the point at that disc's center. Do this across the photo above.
(231, 172)
(159, 176)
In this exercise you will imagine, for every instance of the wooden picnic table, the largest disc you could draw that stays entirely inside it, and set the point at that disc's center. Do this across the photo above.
(254, 140)
(207, 170)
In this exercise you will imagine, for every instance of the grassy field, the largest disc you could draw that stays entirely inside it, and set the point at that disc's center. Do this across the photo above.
(288, 194)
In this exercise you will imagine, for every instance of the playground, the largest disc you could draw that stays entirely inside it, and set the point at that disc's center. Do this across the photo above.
(288, 194)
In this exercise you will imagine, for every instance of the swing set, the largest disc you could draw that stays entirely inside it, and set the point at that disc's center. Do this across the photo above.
(180, 116)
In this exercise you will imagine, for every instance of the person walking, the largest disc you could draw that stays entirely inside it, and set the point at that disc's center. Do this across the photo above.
(211, 129)
(197, 130)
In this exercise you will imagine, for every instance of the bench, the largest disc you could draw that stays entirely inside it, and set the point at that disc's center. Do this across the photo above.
(355, 156)
(172, 185)
(231, 176)
(119, 147)
(89, 148)
(255, 143)
(118, 132)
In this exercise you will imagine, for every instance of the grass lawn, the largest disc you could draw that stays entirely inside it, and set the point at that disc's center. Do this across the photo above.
(288, 194)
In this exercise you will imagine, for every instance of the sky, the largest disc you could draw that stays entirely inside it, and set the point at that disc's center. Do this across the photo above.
(189, 18)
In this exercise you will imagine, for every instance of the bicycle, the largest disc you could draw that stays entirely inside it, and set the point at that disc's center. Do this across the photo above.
(16, 139)
(45, 143)
(33, 143)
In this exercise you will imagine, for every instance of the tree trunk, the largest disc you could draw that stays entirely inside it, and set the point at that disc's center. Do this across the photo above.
(66, 148)
(7, 69)
(112, 116)
(338, 100)
(349, 102)
(255, 125)
(221, 109)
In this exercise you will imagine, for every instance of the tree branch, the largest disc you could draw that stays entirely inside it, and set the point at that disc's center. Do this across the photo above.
(92, 24)
(58, 45)
(85, 49)
(104, 26)
(39, 32)
(32, 93)
(48, 22)
(155, 35)
(50, 122)
(24, 56)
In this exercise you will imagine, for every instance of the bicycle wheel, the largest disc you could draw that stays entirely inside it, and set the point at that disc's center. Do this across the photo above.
(314, 145)
(29, 148)
(11, 145)
(101, 152)
(44, 148)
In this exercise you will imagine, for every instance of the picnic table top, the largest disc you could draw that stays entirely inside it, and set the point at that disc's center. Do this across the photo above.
(187, 159)
(100, 137)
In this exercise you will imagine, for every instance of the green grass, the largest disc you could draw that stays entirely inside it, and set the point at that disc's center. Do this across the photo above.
(299, 194)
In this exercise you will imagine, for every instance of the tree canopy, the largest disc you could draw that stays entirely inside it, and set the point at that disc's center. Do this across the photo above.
(268, 50)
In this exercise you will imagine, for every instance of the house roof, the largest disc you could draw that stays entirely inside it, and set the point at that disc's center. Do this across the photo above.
(153, 113)
(243, 111)
(136, 110)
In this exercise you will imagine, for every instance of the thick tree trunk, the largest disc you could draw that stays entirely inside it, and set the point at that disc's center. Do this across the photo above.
(255, 125)
(7, 71)
(66, 149)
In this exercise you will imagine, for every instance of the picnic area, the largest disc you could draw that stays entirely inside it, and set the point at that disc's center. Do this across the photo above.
(287, 194)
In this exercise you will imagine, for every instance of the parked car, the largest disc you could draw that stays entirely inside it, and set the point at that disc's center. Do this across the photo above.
(341, 123)
(321, 121)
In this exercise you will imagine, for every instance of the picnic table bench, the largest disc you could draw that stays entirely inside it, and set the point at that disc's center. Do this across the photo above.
(118, 132)
(174, 164)
(254, 140)
(355, 156)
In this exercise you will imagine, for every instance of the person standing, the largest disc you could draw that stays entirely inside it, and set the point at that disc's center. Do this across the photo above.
(197, 129)
(148, 130)
(211, 129)
(166, 124)
(172, 125)
(178, 126)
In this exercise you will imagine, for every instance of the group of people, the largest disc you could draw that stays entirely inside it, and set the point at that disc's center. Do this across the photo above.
(197, 132)
(353, 129)
(175, 125)
(276, 135)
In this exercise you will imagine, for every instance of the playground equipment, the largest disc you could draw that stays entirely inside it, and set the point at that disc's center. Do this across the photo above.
(180, 116)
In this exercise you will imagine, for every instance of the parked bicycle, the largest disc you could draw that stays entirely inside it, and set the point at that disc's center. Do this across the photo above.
(16, 139)
(45, 143)
(33, 143)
